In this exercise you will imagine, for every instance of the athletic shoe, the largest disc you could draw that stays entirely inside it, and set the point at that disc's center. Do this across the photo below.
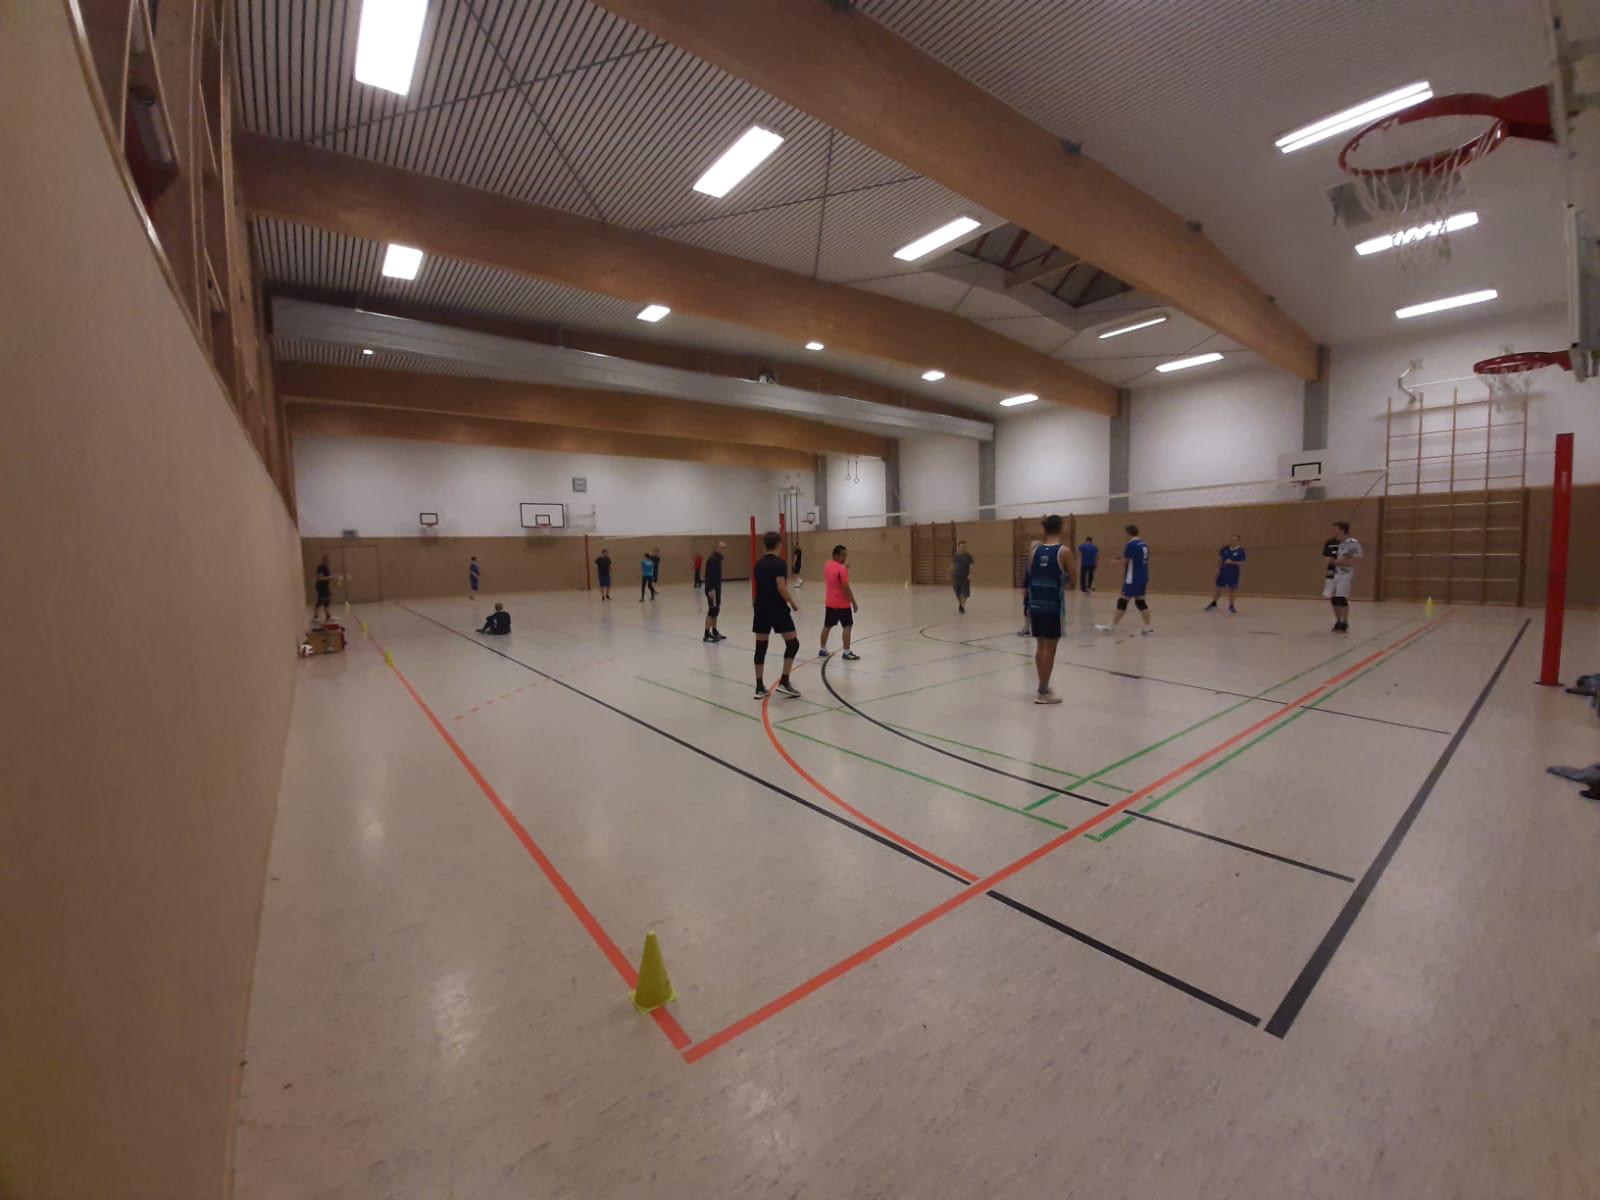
(761, 692)
(1146, 632)
(823, 652)
(1046, 698)
(1211, 607)
(784, 688)
(1338, 627)
(1233, 610)
(1103, 628)
(850, 656)
(718, 636)
(706, 637)
(1024, 633)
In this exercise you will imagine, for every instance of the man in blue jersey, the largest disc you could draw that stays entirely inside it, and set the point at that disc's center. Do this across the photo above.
(1135, 560)
(1088, 559)
(1049, 578)
(1228, 560)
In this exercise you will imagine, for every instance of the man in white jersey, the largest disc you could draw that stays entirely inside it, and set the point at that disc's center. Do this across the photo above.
(1336, 588)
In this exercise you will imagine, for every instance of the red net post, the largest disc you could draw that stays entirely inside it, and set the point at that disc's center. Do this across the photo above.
(1555, 594)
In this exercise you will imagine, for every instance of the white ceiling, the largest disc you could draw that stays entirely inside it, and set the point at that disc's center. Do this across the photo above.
(557, 102)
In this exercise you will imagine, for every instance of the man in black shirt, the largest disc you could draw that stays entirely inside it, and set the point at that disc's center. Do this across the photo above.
(602, 566)
(713, 593)
(325, 583)
(773, 604)
(499, 621)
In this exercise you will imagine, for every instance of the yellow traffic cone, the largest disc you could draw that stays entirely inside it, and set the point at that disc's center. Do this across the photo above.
(1427, 609)
(654, 989)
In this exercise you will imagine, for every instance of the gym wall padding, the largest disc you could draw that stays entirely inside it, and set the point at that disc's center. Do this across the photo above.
(153, 615)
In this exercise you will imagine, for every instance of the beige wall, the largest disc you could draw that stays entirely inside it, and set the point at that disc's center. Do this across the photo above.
(150, 611)
(881, 555)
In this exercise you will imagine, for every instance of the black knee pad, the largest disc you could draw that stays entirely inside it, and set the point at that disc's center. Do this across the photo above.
(761, 652)
(1122, 604)
(1140, 604)
(790, 649)
(713, 611)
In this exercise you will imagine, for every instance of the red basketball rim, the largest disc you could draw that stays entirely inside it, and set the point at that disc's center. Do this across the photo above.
(1525, 114)
(1526, 360)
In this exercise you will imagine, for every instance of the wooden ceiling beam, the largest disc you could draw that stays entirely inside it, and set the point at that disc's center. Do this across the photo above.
(572, 408)
(854, 74)
(342, 420)
(354, 196)
(797, 374)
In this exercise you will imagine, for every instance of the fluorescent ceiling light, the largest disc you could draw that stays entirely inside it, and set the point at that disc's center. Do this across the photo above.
(752, 149)
(653, 312)
(1354, 117)
(386, 48)
(942, 236)
(933, 375)
(1183, 364)
(366, 353)
(1433, 306)
(1013, 401)
(814, 346)
(401, 262)
(1130, 328)
(1389, 241)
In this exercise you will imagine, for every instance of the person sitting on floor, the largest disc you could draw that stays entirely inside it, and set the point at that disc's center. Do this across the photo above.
(499, 621)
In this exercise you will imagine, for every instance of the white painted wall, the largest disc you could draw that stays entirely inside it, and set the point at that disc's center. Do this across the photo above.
(1205, 430)
(853, 503)
(1053, 455)
(378, 486)
(1362, 379)
(938, 479)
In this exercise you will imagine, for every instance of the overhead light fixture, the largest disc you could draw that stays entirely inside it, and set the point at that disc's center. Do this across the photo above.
(1358, 115)
(814, 346)
(933, 375)
(1389, 241)
(1183, 364)
(1433, 306)
(754, 147)
(942, 236)
(1110, 333)
(366, 353)
(653, 312)
(402, 262)
(386, 47)
(1013, 401)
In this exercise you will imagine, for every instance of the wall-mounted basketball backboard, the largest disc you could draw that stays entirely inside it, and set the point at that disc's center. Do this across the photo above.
(543, 517)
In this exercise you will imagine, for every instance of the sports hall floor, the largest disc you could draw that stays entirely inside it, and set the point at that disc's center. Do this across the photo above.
(922, 943)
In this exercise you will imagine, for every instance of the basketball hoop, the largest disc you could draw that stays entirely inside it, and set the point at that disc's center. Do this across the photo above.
(1408, 167)
(1509, 377)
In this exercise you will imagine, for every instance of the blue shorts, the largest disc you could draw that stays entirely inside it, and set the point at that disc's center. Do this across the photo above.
(1133, 591)
(605, 581)
(1228, 577)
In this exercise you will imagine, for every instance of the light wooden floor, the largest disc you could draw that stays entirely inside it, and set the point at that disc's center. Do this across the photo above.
(1163, 983)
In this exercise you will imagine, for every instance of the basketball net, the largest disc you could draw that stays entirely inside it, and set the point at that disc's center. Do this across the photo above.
(1410, 180)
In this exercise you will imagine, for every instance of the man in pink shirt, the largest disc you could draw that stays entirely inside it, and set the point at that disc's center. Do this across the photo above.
(839, 601)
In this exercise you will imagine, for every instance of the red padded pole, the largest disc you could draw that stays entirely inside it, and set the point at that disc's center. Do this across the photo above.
(1555, 591)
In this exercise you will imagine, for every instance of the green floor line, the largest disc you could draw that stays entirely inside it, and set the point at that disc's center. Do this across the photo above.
(1137, 754)
(907, 692)
(1027, 762)
(877, 762)
(1258, 739)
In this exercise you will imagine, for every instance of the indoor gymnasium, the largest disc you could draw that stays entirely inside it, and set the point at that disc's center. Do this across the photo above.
(800, 598)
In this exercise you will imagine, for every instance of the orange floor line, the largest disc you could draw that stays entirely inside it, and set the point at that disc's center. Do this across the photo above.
(742, 1026)
(668, 1023)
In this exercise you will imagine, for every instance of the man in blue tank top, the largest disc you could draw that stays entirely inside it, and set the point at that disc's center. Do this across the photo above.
(1049, 579)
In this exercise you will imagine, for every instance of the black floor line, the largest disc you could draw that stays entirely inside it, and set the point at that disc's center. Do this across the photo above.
(1056, 789)
(1199, 687)
(1110, 951)
(1300, 991)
